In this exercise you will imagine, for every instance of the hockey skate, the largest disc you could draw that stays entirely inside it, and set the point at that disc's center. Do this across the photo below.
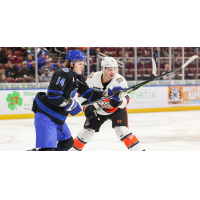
(34, 149)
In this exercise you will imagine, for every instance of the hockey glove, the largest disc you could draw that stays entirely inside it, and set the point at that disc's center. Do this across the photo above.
(116, 88)
(73, 108)
(115, 103)
(90, 112)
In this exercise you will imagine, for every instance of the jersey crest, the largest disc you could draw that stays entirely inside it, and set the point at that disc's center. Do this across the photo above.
(119, 80)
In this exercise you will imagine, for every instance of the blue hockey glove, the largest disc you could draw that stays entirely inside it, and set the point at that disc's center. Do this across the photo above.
(73, 108)
(111, 89)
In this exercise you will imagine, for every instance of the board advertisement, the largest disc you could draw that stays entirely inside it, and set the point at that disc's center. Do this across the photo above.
(17, 101)
(148, 97)
(184, 95)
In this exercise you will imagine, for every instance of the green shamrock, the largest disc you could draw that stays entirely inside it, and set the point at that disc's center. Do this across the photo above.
(14, 100)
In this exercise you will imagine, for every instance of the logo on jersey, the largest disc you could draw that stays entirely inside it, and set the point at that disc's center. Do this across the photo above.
(119, 121)
(73, 93)
(102, 103)
(65, 69)
(119, 80)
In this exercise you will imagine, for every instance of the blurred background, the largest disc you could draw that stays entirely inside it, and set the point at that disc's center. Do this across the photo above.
(19, 64)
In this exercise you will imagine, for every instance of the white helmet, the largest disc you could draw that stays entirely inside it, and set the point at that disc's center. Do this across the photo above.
(109, 62)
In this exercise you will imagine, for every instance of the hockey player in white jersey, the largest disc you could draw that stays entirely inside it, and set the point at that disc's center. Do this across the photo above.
(116, 111)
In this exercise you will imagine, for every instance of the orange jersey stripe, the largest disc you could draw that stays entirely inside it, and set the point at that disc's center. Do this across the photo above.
(127, 100)
(84, 108)
(111, 110)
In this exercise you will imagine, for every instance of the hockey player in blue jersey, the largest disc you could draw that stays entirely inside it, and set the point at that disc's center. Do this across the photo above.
(52, 109)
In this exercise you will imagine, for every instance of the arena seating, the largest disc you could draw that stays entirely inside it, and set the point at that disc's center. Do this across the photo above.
(11, 80)
(1, 66)
(144, 69)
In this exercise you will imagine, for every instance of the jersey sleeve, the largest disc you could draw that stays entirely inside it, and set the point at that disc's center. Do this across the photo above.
(80, 98)
(88, 92)
(58, 84)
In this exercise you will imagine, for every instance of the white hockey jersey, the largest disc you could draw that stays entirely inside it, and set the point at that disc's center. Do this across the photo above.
(94, 81)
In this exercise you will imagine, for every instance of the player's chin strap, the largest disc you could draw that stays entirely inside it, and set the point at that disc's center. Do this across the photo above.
(107, 77)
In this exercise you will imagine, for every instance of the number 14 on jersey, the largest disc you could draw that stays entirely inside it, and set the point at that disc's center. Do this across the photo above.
(62, 82)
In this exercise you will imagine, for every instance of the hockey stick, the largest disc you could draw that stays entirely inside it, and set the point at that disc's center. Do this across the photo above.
(135, 87)
(157, 77)
(128, 90)
(182, 67)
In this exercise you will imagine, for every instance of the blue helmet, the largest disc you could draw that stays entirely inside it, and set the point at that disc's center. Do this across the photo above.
(75, 55)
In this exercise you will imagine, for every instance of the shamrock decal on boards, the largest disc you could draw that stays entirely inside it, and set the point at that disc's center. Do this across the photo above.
(14, 100)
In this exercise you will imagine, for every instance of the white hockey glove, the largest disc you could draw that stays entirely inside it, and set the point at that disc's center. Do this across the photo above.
(122, 95)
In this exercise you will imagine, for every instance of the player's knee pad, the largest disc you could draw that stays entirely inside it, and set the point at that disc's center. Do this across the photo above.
(65, 145)
(86, 135)
(131, 142)
(83, 137)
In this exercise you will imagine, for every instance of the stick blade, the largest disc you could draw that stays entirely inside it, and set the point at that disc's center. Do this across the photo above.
(189, 61)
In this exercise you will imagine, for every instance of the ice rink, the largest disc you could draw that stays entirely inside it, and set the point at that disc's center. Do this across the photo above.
(160, 131)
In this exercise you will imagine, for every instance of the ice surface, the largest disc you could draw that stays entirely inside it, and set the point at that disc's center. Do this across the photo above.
(159, 131)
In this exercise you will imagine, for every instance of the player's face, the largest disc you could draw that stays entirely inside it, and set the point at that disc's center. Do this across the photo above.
(78, 67)
(110, 72)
